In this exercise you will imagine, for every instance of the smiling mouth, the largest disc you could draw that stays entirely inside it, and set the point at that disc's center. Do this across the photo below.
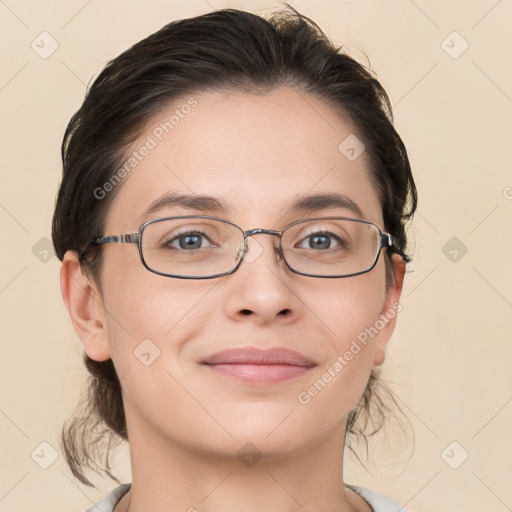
(259, 367)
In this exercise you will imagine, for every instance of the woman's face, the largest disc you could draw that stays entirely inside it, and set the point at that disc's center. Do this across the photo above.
(256, 155)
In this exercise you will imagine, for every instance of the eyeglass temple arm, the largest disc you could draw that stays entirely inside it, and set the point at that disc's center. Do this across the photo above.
(388, 241)
(131, 238)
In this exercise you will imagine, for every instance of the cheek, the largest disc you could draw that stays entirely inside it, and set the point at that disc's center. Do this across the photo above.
(148, 312)
(350, 310)
(151, 323)
(350, 307)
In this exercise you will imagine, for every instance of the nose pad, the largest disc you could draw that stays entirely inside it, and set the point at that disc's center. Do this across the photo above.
(239, 251)
(254, 250)
(279, 252)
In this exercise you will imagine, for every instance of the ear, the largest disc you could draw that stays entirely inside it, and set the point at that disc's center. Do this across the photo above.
(390, 310)
(85, 307)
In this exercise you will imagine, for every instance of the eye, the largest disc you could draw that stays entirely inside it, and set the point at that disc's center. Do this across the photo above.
(322, 241)
(189, 241)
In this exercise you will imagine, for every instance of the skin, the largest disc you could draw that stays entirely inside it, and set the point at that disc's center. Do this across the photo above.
(257, 154)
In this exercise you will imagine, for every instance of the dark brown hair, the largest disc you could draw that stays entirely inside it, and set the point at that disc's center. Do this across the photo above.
(225, 50)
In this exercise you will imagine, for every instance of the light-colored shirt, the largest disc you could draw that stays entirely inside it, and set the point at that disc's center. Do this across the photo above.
(377, 501)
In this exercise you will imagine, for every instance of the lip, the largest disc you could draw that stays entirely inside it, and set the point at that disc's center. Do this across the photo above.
(260, 367)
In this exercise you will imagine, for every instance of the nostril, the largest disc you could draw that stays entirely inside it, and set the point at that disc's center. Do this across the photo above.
(246, 311)
(284, 312)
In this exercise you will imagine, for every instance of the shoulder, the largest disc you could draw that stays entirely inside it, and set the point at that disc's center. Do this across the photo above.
(378, 502)
(109, 501)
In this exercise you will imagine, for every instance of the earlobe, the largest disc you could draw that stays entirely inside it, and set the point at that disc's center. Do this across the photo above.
(390, 310)
(85, 307)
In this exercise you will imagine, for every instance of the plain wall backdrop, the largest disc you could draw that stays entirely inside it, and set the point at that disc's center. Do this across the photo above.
(447, 68)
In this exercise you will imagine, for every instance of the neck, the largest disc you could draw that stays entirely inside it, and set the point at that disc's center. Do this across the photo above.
(171, 477)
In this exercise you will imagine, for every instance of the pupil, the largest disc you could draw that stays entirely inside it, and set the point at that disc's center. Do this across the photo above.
(319, 242)
(190, 242)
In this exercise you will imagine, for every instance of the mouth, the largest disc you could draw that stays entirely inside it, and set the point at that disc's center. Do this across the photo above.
(259, 367)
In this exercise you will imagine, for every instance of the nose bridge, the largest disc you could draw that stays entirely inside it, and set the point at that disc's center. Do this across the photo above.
(272, 232)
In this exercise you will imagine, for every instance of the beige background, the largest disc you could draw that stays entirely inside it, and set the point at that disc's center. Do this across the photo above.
(451, 355)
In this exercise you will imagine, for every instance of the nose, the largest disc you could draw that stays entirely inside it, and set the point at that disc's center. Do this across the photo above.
(261, 289)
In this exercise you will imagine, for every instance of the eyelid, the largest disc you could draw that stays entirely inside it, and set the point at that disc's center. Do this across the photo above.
(318, 225)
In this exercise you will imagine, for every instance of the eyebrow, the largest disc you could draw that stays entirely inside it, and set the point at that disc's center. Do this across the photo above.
(193, 202)
(318, 202)
(209, 204)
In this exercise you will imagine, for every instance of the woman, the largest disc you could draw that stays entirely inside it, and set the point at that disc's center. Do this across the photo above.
(231, 225)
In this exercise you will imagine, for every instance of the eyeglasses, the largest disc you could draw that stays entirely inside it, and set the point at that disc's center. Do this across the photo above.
(204, 247)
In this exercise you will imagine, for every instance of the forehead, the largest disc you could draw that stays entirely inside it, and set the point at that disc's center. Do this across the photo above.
(256, 154)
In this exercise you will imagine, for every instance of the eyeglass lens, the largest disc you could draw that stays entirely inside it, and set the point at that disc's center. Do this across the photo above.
(195, 247)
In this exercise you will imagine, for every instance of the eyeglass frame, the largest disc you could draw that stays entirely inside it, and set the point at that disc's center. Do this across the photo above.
(385, 241)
